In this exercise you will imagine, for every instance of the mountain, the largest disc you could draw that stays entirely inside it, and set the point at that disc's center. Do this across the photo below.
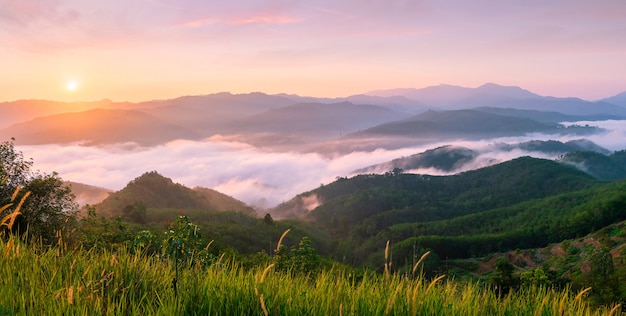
(97, 126)
(601, 166)
(154, 191)
(452, 97)
(446, 97)
(88, 194)
(466, 124)
(210, 114)
(445, 158)
(294, 123)
(256, 118)
(547, 116)
(155, 201)
(223, 102)
(517, 177)
(619, 99)
(450, 159)
(554, 147)
(435, 127)
(309, 122)
(365, 211)
(25, 110)
(395, 103)
(145, 123)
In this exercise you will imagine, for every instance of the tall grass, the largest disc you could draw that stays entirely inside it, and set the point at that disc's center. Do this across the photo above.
(37, 281)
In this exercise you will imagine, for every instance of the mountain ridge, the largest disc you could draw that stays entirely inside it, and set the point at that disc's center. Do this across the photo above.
(449, 97)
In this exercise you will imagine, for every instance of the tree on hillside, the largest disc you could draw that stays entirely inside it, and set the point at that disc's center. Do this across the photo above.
(136, 212)
(503, 278)
(50, 206)
(601, 277)
(302, 259)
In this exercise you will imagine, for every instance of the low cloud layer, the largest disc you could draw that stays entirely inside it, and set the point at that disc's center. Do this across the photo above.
(239, 170)
(254, 176)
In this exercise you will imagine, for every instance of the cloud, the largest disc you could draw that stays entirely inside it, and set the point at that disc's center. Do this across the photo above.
(195, 23)
(237, 169)
(19, 13)
(615, 137)
(243, 20)
(264, 19)
(255, 176)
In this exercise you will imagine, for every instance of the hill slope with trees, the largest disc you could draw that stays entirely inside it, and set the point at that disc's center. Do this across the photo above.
(513, 204)
(152, 190)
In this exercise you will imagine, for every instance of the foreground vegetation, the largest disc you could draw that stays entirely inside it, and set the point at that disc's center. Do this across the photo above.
(41, 281)
(56, 260)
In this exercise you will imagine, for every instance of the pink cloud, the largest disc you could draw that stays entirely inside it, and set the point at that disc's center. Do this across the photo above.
(25, 13)
(242, 20)
(264, 19)
(195, 23)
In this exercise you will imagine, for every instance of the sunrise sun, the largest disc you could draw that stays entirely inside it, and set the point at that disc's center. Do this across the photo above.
(71, 85)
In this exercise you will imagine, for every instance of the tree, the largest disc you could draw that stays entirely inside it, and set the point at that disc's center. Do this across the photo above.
(50, 207)
(182, 243)
(13, 167)
(602, 277)
(302, 259)
(136, 212)
(102, 233)
(503, 278)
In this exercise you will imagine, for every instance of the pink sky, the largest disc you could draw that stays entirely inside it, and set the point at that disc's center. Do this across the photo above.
(154, 49)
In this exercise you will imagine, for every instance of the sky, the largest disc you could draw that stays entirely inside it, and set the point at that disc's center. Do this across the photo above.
(138, 50)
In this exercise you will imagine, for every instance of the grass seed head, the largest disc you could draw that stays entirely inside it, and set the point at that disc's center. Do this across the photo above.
(265, 272)
(434, 282)
(420, 260)
(581, 293)
(280, 241)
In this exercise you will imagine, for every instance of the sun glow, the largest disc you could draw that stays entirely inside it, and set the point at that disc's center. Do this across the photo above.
(71, 85)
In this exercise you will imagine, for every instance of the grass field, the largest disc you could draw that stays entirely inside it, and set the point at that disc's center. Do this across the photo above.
(36, 281)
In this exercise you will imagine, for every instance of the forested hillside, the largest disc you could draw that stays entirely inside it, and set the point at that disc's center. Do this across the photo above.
(152, 190)
(605, 167)
(526, 202)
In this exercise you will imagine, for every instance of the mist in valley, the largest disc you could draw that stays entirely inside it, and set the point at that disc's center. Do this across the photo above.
(264, 178)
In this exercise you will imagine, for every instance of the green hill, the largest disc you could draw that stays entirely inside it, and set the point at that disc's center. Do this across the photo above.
(601, 166)
(154, 191)
(365, 211)
(153, 201)
(446, 158)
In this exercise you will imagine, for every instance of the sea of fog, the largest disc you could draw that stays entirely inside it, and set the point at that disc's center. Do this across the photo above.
(257, 177)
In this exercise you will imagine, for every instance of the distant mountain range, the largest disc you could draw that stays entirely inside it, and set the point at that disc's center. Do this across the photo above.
(619, 99)
(290, 122)
(25, 110)
(447, 97)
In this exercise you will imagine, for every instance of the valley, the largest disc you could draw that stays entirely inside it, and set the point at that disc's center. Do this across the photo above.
(475, 182)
